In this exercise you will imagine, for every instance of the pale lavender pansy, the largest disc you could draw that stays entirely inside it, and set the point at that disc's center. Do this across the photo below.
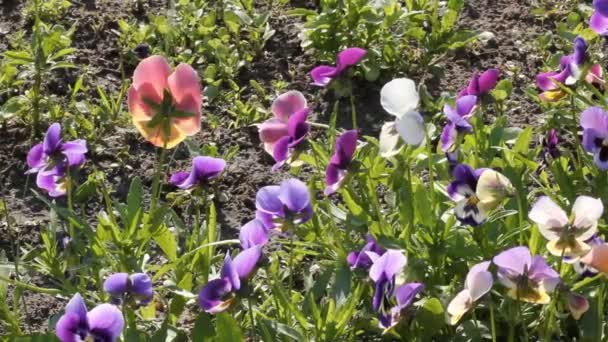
(203, 170)
(137, 285)
(52, 159)
(218, 294)
(478, 282)
(481, 84)
(288, 203)
(253, 233)
(322, 75)
(361, 259)
(458, 121)
(339, 164)
(287, 129)
(566, 235)
(594, 121)
(528, 278)
(104, 323)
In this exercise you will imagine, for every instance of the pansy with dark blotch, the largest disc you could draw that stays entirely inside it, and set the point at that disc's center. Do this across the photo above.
(389, 301)
(219, 293)
(52, 159)
(528, 278)
(361, 259)
(136, 285)
(203, 170)
(288, 203)
(594, 121)
(282, 134)
(477, 193)
(322, 75)
(336, 171)
(104, 323)
(481, 84)
(458, 121)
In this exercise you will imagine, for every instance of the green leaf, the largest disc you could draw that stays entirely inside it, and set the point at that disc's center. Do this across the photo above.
(203, 329)
(227, 328)
(167, 242)
(134, 206)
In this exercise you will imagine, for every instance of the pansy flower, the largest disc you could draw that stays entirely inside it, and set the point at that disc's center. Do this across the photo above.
(104, 323)
(136, 285)
(581, 268)
(479, 281)
(203, 170)
(288, 129)
(388, 300)
(322, 75)
(165, 107)
(361, 259)
(336, 171)
(481, 84)
(570, 71)
(285, 204)
(477, 192)
(400, 98)
(599, 18)
(52, 159)
(594, 121)
(219, 293)
(567, 236)
(577, 305)
(458, 121)
(528, 278)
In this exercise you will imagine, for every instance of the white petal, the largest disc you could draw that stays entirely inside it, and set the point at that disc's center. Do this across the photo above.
(399, 96)
(479, 284)
(587, 210)
(411, 128)
(546, 214)
(459, 306)
(390, 143)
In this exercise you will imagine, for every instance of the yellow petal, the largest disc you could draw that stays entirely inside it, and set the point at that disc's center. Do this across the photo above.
(574, 248)
(492, 188)
(156, 136)
(552, 95)
(536, 296)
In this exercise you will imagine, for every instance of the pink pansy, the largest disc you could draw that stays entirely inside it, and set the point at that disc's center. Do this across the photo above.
(165, 107)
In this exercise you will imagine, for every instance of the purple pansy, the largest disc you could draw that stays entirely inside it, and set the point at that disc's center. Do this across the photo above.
(458, 121)
(339, 163)
(599, 19)
(594, 121)
(322, 75)
(550, 144)
(481, 84)
(383, 273)
(137, 285)
(361, 259)
(479, 281)
(219, 293)
(104, 323)
(203, 170)
(253, 233)
(286, 203)
(529, 278)
(283, 133)
(52, 158)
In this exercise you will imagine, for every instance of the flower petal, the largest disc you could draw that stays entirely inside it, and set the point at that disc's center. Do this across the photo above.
(599, 23)
(141, 285)
(601, 6)
(52, 139)
(479, 280)
(488, 80)
(399, 96)
(405, 294)
(540, 271)
(36, 157)
(448, 137)
(411, 128)
(465, 105)
(577, 305)
(139, 110)
(116, 284)
(514, 260)
(281, 152)
(288, 103)
(253, 233)
(206, 168)
(69, 328)
(389, 140)
(294, 194)
(74, 152)
(156, 136)
(185, 89)
(349, 57)
(595, 118)
(333, 179)
(459, 306)
(597, 258)
(267, 199)
(150, 77)
(272, 130)
(211, 295)
(106, 322)
(322, 75)
(346, 144)
(388, 265)
(245, 262)
(182, 180)
(548, 216)
(587, 210)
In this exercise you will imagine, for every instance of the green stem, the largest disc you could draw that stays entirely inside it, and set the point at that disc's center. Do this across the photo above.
(156, 183)
(353, 110)
(38, 72)
(600, 310)
(251, 316)
(492, 321)
(25, 286)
